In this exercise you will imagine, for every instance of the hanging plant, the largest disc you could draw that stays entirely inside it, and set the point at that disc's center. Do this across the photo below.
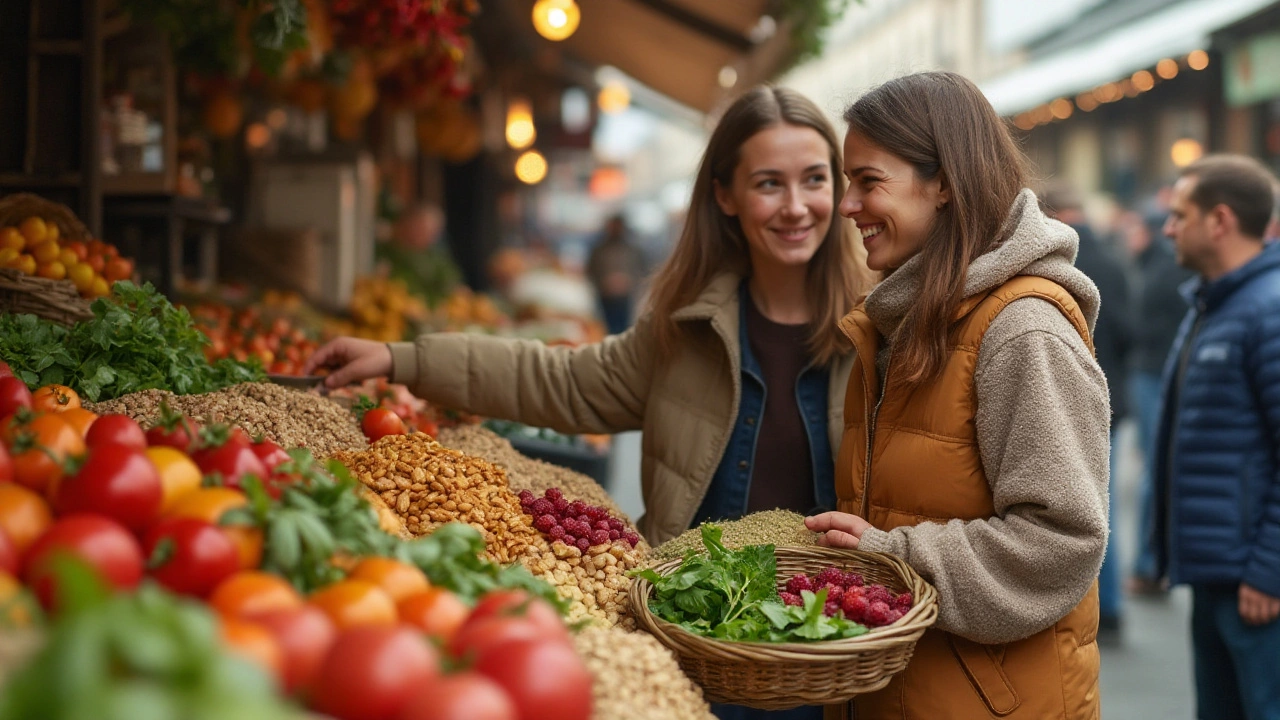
(228, 37)
(808, 19)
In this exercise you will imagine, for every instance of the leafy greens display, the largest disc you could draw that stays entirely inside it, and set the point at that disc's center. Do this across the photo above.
(732, 595)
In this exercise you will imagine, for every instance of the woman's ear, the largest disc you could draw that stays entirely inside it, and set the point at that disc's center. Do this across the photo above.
(944, 190)
(724, 199)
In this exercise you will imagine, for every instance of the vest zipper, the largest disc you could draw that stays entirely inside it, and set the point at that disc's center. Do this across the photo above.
(1173, 426)
(871, 434)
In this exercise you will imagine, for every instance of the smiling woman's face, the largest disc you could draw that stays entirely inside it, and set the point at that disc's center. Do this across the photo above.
(893, 208)
(781, 195)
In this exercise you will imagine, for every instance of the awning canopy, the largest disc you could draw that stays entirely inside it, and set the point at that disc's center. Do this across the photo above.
(677, 47)
(1174, 30)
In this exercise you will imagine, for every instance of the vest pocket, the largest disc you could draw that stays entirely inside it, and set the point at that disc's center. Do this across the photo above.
(983, 665)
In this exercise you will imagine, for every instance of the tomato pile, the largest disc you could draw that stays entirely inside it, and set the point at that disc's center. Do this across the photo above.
(414, 413)
(278, 344)
(35, 247)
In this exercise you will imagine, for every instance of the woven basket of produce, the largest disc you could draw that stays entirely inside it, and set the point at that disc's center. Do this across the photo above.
(56, 300)
(786, 674)
(20, 206)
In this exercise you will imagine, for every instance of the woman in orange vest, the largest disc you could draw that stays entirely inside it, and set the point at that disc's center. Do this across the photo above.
(976, 420)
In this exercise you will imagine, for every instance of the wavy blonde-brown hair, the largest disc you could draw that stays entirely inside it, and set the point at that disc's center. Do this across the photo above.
(712, 241)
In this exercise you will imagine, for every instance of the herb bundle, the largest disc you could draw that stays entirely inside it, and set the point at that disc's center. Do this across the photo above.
(732, 595)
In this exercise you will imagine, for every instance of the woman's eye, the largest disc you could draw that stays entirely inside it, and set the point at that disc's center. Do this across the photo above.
(769, 183)
(817, 179)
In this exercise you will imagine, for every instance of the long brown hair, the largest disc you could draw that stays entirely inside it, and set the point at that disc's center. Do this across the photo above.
(942, 125)
(712, 242)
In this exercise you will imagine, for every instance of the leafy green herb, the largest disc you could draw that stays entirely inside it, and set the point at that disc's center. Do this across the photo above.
(732, 595)
(137, 340)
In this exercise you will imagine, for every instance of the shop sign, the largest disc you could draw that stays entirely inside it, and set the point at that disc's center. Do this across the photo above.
(1251, 75)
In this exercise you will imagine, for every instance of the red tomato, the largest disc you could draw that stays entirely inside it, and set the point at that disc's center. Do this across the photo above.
(518, 603)
(5, 370)
(10, 561)
(465, 696)
(545, 679)
(305, 635)
(371, 672)
(190, 556)
(100, 541)
(14, 394)
(232, 460)
(271, 454)
(479, 639)
(177, 434)
(118, 430)
(379, 422)
(6, 466)
(117, 481)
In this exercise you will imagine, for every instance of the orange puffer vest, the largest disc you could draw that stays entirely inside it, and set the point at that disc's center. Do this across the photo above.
(926, 468)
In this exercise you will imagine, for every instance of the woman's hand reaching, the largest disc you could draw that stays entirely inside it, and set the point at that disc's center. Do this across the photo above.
(352, 360)
(839, 530)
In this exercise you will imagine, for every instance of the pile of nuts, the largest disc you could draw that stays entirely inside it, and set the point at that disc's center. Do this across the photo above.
(429, 485)
(595, 581)
(635, 677)
(291, 418)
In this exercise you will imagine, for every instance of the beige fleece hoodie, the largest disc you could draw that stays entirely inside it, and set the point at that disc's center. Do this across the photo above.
(1043, 425)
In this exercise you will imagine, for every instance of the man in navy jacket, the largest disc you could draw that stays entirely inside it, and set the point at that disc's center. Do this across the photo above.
(1218, 448)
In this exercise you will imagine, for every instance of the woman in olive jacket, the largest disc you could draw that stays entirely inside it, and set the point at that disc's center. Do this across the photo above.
(736, 370)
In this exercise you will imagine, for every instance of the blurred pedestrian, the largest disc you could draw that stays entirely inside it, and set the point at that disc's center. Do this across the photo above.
(1112, 338)
(418, 255)
(1159, 310)
(1218, 471)
(615, 268)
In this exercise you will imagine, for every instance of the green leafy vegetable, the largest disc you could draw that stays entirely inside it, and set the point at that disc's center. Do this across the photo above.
(137, 340)
(732, 595)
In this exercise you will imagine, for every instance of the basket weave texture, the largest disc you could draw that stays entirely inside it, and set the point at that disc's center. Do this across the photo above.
(55, 300)
(20, 206)
(777, 676)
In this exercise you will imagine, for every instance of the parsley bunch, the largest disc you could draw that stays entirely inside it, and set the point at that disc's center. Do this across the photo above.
(137, 340)
(732, 595)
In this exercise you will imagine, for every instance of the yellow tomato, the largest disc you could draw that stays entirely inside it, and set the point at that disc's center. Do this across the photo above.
(82, 275)
(178, 475)
(68, 257)
(51, 231)
(100, 287)
(8, 255)
(46, 252)
(34, 230)
(25, 263)
(52, 270)
(11, 238)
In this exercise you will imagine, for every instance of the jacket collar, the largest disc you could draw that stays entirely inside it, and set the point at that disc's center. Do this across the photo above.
(1209, 295)
(718, 299)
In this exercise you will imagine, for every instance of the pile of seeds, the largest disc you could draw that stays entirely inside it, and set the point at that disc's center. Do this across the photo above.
(636, 678)
(429, 485)
(594, 581)
(777, 527)
(290, 417)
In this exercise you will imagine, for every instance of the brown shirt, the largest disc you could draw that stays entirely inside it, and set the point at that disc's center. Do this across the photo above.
(782, 474)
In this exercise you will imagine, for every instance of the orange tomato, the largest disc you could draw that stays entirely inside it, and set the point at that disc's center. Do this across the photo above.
(25, 264)
(178, 475)
(24, 515)
(79, 248)
(68, 257)
(436, 611)
(53, 270)
(97, 262)
(41, 446)
(397, 579)
(353, 603)
(250, 592)
(54, 398)
(34, 230)
(8, 256)
(51, 231)
(253, 643)
(209, 504)
(12, 238)
(118, 269)
(46, 252)
(79, 418)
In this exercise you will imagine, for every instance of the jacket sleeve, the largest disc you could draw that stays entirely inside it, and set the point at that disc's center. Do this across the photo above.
(599, 388)
(1262, 568)
(1043, 433)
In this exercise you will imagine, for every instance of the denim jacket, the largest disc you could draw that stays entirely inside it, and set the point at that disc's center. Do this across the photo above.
(726, 499)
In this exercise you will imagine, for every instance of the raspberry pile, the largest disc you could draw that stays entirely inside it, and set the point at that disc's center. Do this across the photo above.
(848, 593)
(575, 523)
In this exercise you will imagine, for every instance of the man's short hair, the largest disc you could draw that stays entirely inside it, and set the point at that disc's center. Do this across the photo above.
(1239, 182)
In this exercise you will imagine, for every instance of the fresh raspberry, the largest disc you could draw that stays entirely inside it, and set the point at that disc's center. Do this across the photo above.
(552, 494)
(895, 616)
(561, 505)
(557, 532)
(615, 535)
(541, 506)
(569, 539)
(903, 603)
(852, 579)
(526, 498)
(572, 526)
(599, 537)
(791, 599)
(632, 538)
(584, 544)
(577, 507)
(544, 523)
(597, 513)
(829, 576)
(831, 608)
(602, 525)
(834, 592)
(879, 593)
(800, 583)
(878, 614)
(855, 606)
(617, 524)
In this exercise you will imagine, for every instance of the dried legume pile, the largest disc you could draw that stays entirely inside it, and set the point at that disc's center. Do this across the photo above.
(635, 678)
(290, 417)
(429, 485)
(777, 527)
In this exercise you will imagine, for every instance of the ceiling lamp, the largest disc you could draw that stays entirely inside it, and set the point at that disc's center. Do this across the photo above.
(556, 19)
(1185, 151)
(520, 129)
(531, 167)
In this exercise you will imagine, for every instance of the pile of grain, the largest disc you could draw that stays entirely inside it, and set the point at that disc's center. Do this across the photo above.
(290, 417)
(635, 678)
(776, 527)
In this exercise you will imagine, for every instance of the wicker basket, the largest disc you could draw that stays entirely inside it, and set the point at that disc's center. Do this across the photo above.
(55, 300)
(777, 676)
(18, 207)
